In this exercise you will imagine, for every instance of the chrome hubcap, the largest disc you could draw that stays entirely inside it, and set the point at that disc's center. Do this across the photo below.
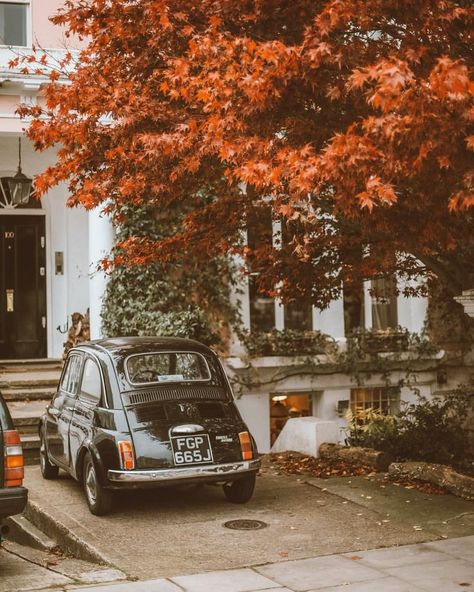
(91, 484)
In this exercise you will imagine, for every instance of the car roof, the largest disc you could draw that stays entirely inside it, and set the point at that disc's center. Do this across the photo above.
(126, 346)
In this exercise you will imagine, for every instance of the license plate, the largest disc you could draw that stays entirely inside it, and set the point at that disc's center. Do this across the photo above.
(191, 450)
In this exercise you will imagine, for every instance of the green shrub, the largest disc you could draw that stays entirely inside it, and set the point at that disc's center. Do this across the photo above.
(432, 430)
(287, 342)
(370, 428)
(154, 299)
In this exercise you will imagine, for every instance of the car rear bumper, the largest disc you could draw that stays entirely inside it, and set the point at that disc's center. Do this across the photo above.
(12, 501)
(208, 473)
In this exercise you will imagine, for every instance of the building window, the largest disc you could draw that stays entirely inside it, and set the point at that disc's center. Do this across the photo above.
(384, 399)
(284, 406)
(13, 23)
(298, 315)
(260, 238)
(354, 310)
(262, 308)
(384, 303)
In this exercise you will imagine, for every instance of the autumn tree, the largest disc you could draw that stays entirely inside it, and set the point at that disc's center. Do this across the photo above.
(351, 119)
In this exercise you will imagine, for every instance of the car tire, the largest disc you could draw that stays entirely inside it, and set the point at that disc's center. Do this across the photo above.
(48, 470)
(239, 492)
(99, 499)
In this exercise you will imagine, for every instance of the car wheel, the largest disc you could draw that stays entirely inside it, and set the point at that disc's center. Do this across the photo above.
(98, 499)
(239, 492)
(48, 470)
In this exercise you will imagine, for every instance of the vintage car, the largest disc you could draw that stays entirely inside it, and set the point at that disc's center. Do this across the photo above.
(136, 412)
(13, 496)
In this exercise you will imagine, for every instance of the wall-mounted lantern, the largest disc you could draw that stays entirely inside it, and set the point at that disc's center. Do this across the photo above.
(20, 185)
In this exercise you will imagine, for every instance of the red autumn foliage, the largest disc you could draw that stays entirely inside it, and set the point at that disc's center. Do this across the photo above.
(351, 118)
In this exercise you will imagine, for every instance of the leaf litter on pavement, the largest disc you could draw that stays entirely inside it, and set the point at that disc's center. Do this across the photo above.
(295, 463)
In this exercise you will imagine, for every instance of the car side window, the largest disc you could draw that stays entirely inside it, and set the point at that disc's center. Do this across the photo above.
(72, 372)
(91, 387)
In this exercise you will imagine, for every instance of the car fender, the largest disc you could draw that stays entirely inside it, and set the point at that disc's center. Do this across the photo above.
(88, 447)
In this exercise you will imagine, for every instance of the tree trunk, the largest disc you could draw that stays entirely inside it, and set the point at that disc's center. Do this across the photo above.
(367, 457)
(461, 485)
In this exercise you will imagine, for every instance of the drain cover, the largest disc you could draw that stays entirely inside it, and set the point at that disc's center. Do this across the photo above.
(245, 524)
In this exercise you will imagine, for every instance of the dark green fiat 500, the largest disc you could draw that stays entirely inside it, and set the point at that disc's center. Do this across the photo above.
(138, 412)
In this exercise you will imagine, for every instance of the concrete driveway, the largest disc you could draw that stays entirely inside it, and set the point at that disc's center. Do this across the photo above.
(164, 533)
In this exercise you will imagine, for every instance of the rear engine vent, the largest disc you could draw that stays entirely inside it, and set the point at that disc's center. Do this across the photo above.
(174, 394)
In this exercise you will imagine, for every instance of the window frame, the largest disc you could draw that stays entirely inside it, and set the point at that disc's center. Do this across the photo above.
(29, 25)
(278, 314)
(392, 398)
(84, 396)
(73, 354)
(388, 285)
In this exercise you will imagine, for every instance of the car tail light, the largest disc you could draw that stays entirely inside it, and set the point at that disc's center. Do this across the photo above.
(126, 455)
(13, 463)
(246, 445)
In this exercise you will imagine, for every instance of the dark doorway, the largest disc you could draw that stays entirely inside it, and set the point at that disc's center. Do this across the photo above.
(23, 287)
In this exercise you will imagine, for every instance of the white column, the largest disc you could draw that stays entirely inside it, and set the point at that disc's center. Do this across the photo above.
(101, 240)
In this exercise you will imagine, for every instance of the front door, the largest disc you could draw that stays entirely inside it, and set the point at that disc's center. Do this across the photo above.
(22, 287)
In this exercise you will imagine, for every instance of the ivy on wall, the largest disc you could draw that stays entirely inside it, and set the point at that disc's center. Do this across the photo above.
(155, 299)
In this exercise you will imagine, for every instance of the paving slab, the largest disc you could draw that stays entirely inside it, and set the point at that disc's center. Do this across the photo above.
(17, 575)
(160, 585)
(462, 548)
(241, 580)
(383, 584)
(320, 572)
(398, 556)
(445, 576)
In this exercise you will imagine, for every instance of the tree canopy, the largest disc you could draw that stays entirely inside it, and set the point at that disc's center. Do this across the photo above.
(351, 119)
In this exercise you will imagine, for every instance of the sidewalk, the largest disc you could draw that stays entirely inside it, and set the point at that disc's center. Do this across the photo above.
(441, 566)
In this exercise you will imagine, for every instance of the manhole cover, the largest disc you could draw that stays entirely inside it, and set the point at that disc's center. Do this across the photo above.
(245, 524)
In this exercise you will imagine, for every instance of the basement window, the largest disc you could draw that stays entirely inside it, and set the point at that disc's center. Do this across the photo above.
(384, 399)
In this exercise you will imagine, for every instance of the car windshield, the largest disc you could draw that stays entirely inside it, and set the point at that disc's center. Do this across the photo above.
(166, 367)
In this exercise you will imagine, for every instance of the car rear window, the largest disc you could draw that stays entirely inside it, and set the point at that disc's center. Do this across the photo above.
(163, 367)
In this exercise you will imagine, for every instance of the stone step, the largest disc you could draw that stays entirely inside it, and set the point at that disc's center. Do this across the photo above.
(31, 446)
(27, 425)
(13, 370)
(30, 394)
(30, 381)
(37, 362)
(26, 415)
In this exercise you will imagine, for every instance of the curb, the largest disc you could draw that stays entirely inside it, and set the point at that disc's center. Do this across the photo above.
(24, 532)
(68, 541)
